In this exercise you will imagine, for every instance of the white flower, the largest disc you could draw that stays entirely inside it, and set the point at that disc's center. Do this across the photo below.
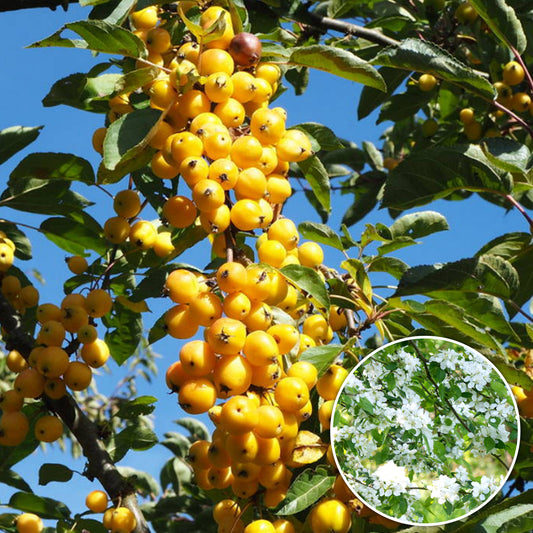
(444, 488)
(390, 479)
(411, 416)
(485, 487)
(461, 474)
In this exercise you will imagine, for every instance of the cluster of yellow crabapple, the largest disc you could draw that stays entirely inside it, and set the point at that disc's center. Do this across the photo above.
(233, 152)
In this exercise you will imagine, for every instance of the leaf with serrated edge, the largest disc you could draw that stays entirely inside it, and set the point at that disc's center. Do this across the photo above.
(425, 56)
(15, 138)
(337, 61)
(501, 18)
(305, 490)
(98, 36)
(320, 233)
(316, 175)
(307, 279)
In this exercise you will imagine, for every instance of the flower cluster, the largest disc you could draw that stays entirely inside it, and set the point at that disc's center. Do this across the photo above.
(423, 429)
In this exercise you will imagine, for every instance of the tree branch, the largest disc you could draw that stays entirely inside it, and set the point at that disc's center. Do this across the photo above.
(99, 463)
(348, 28)
(14, 5)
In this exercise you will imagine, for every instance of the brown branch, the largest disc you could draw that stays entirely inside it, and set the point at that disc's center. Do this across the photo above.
(14, 5)
(348, 28)
(99, 463)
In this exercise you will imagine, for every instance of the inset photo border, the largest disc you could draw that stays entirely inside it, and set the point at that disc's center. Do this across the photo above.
(425, 430)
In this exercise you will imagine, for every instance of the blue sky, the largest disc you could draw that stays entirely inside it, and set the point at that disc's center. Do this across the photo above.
(27, 76)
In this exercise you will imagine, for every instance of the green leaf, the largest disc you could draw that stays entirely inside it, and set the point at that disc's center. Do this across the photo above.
(425, 56)
(448, 320)
(437, 172)
(197, 429)
(126, 137)
(324, 136)
(113, 11)
(337, 61)
(89, 524)
(417, 225)
(404, 105)
(15, 138)
(143, 405)
(393, 266)
(507, 154)
(54, 472)
(515, 519)
(73, 237)
(320, 233)
(322, 357)
(98, 36)
(522, 265)
(53, 166)
(177, 443)
(91, 93)
(374, 155)
(44, 507)
(502, 20)
(371, 98)
(507, 245)
(124, 339)
(40, 196)
(487, 274)
(142, 482)
(307, 280)
(136, 437)
(22, 243)
(317, 176)
(487, 308)
(305, 490)
(368, 190)
(12, 479)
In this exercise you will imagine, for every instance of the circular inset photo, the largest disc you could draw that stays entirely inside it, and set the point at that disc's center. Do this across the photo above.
(425, 430)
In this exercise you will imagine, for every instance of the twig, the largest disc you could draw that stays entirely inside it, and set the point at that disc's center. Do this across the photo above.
(448, 403)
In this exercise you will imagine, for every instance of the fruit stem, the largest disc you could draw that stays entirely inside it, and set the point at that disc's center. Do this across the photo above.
(515, 203)
(501, 107)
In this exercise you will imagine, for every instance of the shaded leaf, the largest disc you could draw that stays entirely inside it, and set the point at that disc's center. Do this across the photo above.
(98, 36)
(22, 243)
(53, 166)
(317, 176)
(337, 61)
(44, 507)
(144, 483)
(12, 479)
(501, 18)
(305, 490)
(142, 405)
(126, 137)
(371, 98)
(54, 472)
(123, 340)
(486, 274)
(15, 138)
(196, 428)
(507, 154)
(72, 236)
(507, 245)
(437, 172)
(307, 280)
(425, 56)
